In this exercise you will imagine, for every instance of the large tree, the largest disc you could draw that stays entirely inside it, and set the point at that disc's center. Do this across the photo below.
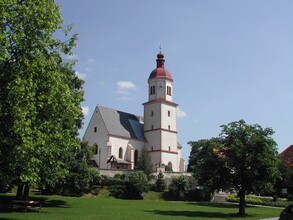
(244, 159)
(40, 94)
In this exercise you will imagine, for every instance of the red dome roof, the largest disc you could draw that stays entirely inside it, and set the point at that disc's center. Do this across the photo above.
(160, 71)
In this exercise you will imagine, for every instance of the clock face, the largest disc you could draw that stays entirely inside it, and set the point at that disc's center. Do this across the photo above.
(161, 86)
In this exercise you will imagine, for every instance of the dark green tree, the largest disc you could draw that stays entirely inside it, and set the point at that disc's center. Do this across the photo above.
(40, 94)
(244, 158)
(145, 162)
(160, 183)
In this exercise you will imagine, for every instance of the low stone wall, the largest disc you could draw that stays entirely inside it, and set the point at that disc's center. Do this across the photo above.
(167, 174)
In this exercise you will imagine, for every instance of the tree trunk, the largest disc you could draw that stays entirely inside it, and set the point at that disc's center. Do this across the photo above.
(241, 202)
(26, 191)
(19, 193)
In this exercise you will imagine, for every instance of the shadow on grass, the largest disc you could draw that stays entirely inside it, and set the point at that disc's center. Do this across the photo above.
(199, 214)
(204, 214)
(7, 205)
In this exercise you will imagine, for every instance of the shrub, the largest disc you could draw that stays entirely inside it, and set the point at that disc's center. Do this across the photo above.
(178, 186)
(117, 191)
(137, 184)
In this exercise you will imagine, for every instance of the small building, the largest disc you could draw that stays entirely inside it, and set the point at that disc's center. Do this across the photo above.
(118, 137)
(287, 156)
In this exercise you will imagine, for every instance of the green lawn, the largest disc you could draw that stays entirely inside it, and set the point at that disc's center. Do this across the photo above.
(71, 208)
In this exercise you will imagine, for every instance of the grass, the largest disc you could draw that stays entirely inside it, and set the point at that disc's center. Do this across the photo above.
(103, 207)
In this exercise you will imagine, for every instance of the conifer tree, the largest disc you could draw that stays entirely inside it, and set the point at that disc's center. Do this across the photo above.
(145, 162)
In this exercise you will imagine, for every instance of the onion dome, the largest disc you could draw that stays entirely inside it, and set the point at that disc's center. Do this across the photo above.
(160, 71)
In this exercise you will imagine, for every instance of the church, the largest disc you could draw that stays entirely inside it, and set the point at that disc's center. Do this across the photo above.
(119, 137)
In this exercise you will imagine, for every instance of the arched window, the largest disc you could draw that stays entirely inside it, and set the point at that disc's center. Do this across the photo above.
(136, 158)
(120, 152)
(96, 149)
(170, 165)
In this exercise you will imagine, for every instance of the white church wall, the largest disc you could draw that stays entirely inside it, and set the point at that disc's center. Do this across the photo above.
(97, 133)
(152, 115)
(169, 120)
(173, 158)
(117, 142)
(169, 139)
(154, 140)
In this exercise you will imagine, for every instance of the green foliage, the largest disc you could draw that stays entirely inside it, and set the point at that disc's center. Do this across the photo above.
(40, 94)
(266, 201)
(130, 189)
(82, 178)
(167, 168)
(137, 184)
(160, 184)
(178, 187)
(285, 180)
(244, 158)
(145, 162)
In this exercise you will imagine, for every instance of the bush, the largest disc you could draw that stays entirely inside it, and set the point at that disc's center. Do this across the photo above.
(259, 201)
(118, 191)
(177, 187)
(137, 184)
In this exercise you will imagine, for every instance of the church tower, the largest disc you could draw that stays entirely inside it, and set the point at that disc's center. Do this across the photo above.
(160, 116)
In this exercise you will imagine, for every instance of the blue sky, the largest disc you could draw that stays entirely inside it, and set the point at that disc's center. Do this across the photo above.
(230, 60)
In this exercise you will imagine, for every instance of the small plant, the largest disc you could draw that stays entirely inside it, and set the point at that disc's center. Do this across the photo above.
(160, 184)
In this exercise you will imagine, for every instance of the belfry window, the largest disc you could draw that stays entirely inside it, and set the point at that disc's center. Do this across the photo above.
(152, 90)
(169, 90)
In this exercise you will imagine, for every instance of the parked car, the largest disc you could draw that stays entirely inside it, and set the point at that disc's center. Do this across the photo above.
(287, 213)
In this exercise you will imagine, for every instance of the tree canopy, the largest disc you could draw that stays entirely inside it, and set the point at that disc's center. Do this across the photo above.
(243, 158)
(40, 94)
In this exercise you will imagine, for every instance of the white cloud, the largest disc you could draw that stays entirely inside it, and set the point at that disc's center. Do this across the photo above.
(91, 60)
(102, 83)
(123, 90)
(181, 113)
(85, 110)
(125, 85)
(80, 75)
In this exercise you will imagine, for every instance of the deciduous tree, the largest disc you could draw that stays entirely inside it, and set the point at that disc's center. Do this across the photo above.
(40, 94)
(244, 158)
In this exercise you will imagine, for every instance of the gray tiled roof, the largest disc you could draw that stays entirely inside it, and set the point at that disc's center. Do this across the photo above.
(122, 123)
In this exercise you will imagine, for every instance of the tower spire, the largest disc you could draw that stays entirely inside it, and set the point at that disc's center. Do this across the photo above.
(160, 58)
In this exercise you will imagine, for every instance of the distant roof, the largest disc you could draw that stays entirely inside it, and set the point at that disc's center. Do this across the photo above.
(114, 159)
(122, 123)
(287, 156)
